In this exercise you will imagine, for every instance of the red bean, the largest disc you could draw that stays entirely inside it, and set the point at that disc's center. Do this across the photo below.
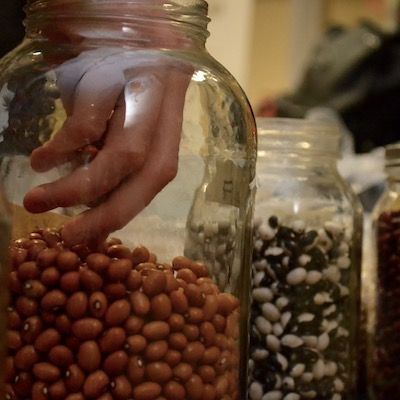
(23, 384)
(98, 262)
(134, 280)
(70, 282)
(46, 340)
(68, 261)
(96, 384)
(53, 300)
(136, 370)
(179, 301)
(50, 276)
(28, 270)
(87, 328)
(98, 304)
(140, 303)
(114, 291)
(159, 372)
(9, 369)
(57, 390)
(90, 280)
(135, 344)
(116, 363)
(74, 378)
(147, 391)
(161, 307)
(61, 356)
(47, 257)
(119, 270)
(31, 329)
(119, 251)
(25, 358)
(117, 313)
(34, 289)
(76, 305)
(140, 255)
(156, 330)
(46, 372)
(154, 283)
(121, 388)
(156, 350)
(112, 340)
(63, 324)
(89, 356)
(26, 307)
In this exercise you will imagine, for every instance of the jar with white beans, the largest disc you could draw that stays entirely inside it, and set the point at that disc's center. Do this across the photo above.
(304, 337)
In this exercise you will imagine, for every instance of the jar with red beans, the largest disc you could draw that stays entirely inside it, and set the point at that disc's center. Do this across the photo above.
(127, 154)
(384, 313)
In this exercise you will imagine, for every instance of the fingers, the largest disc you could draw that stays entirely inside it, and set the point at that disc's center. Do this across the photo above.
(138, 191)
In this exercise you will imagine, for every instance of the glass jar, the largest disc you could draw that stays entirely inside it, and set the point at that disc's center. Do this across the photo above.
(117, 120)
(306, 267)
(384, 318)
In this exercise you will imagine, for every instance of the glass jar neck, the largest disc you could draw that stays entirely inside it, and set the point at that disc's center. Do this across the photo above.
(170, 24)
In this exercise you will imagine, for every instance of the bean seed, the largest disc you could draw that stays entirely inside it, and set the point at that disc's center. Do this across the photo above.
(161, 307)
(67, 261)
(187, 275)
(63, 324)
(70, 282)
(57, 390)
(134, 280)
(136, 370)
(76, 305)
(221, 386)
(179, 301)
(18, 256)
(9, 369)
(207, 333)
(181, 262)
(114, 291)
(210, 307)
(172, 358)
(46, 372)
(156, 350)
(47, 258)
(75, 396)
(159, 372)
(194, 315)
(192, 332)
(28, 270)
(194, 295)
(112, 340)
(193, 352)
(89, 356)
(14, 283)
(61, 356)
(194, 387)
(147, 391)
(87, 328)
(182, 372)
(154, 283)
(53, 300)
(95, 384)
(133, 325)
(72, 343)
(23, 384)
(35, 248)
(90, 280)
(50, 276)
(121, 388)
(74, 378)
(107, 395)
(206, 373)
(98, 304)
(171, 283)
(26, 357)
(51, 237)
(119, 251)
(13, 320)
(140, 255)
(140, 303)
(227, 303)
(209, 393)
(31, 329)
(136, 344)
(211, 355)
(39, 391)
(174, 391)
(116, 363)
(117, 313)
(34, 289)
(26, 307)
(46, 340)
(119, 270)
(98, 262)
(156, 330)
(219, 323)
(177, 341)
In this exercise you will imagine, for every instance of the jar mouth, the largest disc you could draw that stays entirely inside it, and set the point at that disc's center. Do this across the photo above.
(298, 136)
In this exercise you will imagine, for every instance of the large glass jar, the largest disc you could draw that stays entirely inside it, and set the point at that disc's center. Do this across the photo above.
(115, 119)
(384, 316)
(306, 267)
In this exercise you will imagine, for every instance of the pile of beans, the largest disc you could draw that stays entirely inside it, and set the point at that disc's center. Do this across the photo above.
(116, 324)
(386, 332)
(300, 315)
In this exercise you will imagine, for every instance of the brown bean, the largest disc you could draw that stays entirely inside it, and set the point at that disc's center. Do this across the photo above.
(194, 315)
(177, 341)
(34, 289)
(156, 330)
(136, 370)
(208, 288)
(112, 340)
(135, 344)
(211, 355)
(207, 333)
(63, 324)
(179, 301)
(172, 358)
(18, 256)
(116, 363)
(174, 391)
(194, 388)
(22, 242)
(187, 275)
(61, 356)
(140, 303)
(111, 242)
(210, 307)
(14, 283)
(70, 282)
(75, 396)
(9, 369)
(23, 384)
(98, 262)
(140, 254)
(25, 358)
(156, 350)
(119, 270)
(223, 363)
(117, 313)
(31, 329)
(47, 258)
(90, 280)
(87, 328)
(35, 248)
(209, 392)
(171, 284)
(89, 356)
(176, 322)
(46, 340)
(74, 378)
(181, 262)
(98, 304)
(53, 300)
(161, 307)
(147, 391)
(154, 283)
(46, 372)
(121, 388)
(193, 352)
(221, 341)
(182, 372)
(68, 261)
(81, 250)
(57, 391)
(194, 295)
(134, 280)
(106, 395)
(221, 386)
(146, 267)
(50, 276)
(200, 270)
(26, 307)
(39, 391)
(133, 325)
(192, 332)
(51, 237)
(114, 291)
(119, 251)
(77, 305)
(159, 372)
(206, 373)
(227, 303)
(219, 323)
(13, 319)
(95, 384)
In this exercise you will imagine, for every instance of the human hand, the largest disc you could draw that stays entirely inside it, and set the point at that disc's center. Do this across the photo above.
(133, 105)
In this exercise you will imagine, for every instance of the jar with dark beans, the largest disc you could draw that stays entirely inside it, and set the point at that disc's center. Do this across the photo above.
(169, 333)
(304, 319)
(384, 310)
